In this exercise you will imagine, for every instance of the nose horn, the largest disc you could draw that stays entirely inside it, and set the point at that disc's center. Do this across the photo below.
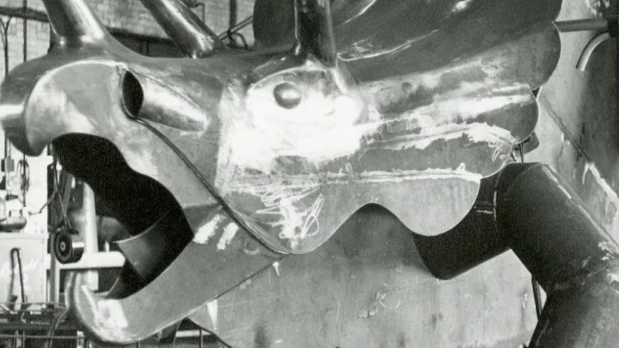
(314, 29)
(74, 21)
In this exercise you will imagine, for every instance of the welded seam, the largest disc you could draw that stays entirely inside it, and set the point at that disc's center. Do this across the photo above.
(557, 120)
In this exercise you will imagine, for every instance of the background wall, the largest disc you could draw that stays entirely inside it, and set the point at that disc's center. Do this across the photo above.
(579, 119)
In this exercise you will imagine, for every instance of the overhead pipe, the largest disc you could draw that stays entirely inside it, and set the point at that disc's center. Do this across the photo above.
(588, 51)
(530, 209)
(74, 21)
(592, 24)
(190, 34)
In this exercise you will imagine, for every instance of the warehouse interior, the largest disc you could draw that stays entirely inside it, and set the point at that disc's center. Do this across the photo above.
(517, 249)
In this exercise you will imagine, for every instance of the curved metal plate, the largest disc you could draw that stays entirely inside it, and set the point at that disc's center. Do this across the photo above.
(425, 99)
(411, 120)
(199, 274)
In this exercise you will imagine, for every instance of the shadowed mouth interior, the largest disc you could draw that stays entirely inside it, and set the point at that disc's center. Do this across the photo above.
(147, 209)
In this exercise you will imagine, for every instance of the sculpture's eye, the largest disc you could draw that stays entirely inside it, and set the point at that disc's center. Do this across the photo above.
(287, 95)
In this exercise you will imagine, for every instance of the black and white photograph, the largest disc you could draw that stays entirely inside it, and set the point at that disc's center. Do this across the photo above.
(309, 174)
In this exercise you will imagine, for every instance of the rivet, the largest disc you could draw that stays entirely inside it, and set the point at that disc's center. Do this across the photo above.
(250, 247)
(287, 95)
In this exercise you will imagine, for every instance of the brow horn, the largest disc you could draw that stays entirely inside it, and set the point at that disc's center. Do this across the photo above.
(192, 36)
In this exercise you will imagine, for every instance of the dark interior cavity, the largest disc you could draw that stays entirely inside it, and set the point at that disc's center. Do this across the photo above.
(132, 94)
(135, 200)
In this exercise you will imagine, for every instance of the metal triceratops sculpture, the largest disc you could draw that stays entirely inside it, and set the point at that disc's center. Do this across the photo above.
(235, 159)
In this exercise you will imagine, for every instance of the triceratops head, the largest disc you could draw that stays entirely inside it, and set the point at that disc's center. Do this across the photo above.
(296, 140)
(404, 104)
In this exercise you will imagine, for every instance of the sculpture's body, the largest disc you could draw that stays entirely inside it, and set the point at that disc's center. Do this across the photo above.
(236, 159)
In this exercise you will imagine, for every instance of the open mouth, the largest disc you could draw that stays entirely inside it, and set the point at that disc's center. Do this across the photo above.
(146, 208)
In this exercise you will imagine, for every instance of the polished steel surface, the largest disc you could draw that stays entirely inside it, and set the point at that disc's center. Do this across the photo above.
(406, 105)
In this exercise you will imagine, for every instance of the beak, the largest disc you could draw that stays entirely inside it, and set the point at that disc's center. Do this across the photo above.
(41, 101)
(44, 99)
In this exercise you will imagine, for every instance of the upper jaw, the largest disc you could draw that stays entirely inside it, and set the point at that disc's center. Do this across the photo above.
(40, 102)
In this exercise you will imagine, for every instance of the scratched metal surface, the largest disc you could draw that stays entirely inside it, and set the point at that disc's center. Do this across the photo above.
(411, 117)
(369, 289)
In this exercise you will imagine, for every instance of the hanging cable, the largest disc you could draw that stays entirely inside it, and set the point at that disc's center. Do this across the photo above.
(60, 193)
(24, 173)
(17, 252)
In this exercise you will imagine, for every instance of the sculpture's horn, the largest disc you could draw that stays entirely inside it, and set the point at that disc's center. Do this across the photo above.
(73, 20)
(189, 33)
(314, 29)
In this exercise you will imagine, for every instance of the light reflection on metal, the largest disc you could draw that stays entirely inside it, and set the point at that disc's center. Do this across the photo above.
(583, 60)
(407, 116)
(608, 26)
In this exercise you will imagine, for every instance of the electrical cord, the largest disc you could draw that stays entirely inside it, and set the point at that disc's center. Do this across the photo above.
(17, 252)
(57, 193)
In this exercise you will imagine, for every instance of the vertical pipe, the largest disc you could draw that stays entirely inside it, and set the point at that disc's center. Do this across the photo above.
(233, 13)
(75, 21)
(24, 164)
(5, 38)
(54, 270)
(54, 276)
(84, 220)
(25, 32)
(314, 30)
